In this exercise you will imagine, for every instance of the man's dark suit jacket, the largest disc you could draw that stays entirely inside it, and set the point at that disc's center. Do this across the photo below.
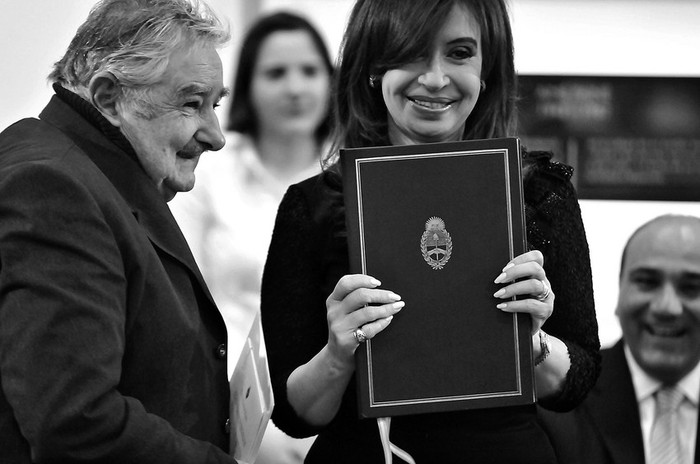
(111, 348)
(605, 428)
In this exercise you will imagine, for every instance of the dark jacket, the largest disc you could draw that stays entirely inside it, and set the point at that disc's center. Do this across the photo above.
(606, 428)
(111, 347)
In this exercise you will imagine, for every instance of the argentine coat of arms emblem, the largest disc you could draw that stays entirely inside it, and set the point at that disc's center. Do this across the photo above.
(436, 243)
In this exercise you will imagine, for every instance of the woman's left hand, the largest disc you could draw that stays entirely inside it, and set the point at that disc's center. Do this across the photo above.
(525, 276)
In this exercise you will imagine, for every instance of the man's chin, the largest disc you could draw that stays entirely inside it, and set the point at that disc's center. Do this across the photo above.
(664, 363)
(186, 187)
(170, 189)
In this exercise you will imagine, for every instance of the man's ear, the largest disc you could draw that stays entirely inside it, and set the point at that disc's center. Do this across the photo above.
(104, 93)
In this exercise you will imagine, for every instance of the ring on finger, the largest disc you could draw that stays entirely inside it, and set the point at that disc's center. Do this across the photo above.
(360, 335)
(546, 291)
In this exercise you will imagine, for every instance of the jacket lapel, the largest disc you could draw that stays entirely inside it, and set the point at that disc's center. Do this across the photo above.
(614, 410)
(132, 183)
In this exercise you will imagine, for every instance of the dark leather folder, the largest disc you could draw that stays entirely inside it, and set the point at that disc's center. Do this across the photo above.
(436, 223)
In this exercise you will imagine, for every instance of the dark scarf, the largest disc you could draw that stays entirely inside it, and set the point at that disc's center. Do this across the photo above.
(90, 113)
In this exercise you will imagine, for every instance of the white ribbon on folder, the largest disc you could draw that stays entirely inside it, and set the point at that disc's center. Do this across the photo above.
(384, 424)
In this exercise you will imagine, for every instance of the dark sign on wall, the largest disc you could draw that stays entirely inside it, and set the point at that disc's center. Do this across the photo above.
(631, 138)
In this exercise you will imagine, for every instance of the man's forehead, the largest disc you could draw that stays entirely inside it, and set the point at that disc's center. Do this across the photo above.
(194, 70)
(672, 246)
(675, 230)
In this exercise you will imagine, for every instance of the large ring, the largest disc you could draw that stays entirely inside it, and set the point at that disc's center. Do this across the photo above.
(359, 335)
(544, 294)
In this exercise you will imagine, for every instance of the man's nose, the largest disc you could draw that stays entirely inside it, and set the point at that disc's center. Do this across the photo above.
(209, 133)
(667, 301)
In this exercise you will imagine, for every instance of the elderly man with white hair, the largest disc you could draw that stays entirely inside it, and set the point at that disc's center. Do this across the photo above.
(111, 347)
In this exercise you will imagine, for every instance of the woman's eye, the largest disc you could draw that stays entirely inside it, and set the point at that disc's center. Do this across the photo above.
(192, 104)
(462, 53)
(274, 73)
(310, 71)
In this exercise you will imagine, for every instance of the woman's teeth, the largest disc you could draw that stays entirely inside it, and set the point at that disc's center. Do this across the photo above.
(432, 105)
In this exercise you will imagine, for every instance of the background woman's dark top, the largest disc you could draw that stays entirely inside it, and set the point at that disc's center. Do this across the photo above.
(308, 255)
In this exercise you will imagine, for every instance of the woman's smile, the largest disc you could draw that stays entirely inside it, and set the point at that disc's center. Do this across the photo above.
(431, 104)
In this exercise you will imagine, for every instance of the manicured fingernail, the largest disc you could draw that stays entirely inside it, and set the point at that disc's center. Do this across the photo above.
(394, 296)
(389, 318)
(398, 305)
(508, 266)
(502, 305)
(500, 279)
(500, 293)
(375, 282)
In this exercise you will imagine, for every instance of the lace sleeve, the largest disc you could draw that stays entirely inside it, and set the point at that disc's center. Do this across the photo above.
(555, 227)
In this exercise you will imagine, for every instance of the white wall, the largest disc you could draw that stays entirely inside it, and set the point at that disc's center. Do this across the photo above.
(35, 33)
(606, 37)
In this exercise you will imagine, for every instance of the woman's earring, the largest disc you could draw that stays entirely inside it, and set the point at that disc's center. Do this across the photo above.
(482, 83)
(373, 79)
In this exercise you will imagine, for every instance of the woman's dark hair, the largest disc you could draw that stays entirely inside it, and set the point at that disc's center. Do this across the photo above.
(386, 34)
(242, 116)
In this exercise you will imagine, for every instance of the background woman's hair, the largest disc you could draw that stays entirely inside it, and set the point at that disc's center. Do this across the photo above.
(386, 34)
(242, 116)
(133, 40)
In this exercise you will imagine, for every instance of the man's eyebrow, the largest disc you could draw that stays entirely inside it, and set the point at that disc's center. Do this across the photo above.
(193, 89)
(201, 90)
(691, 275)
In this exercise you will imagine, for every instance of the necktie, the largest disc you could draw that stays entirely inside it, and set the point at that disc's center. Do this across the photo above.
(665, 445)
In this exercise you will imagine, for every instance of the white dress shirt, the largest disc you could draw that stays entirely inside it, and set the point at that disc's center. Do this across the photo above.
(645, 387)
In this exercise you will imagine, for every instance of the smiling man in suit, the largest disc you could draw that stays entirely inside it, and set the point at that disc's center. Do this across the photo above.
(111, 347)
(644, 407)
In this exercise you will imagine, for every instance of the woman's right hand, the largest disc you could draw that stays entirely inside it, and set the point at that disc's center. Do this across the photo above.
(357, 303)
(315, 389)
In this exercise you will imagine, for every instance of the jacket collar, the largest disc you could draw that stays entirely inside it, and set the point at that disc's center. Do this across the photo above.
(614, 391)
(113, 155)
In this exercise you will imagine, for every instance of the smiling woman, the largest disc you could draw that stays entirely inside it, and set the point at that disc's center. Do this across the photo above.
(411, 72)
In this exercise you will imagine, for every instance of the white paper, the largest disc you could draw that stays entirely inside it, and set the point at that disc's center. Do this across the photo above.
(251, 397)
